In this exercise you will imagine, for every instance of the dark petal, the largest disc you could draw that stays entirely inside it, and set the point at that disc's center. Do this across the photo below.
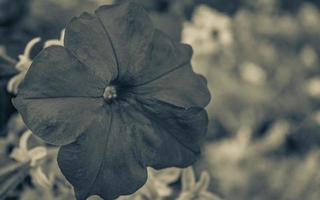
(130, 30)
(165, 135)
(162, 57)
(102, 161)
(86, 38)
(58, 121)
(145, 55)
(181, 87)
(55, 72)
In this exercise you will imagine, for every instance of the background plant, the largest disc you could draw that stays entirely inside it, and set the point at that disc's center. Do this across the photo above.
(263, 140)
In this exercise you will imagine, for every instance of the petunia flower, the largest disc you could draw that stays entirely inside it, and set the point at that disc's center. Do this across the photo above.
(119, 97)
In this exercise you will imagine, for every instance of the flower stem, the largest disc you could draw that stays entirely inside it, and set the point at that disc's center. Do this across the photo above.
(6, 57)
(12, 174)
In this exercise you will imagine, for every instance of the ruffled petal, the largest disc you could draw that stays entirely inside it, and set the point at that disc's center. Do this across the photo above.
(110, 158)
(87, 39)
(58, 121)
(55, 72)
(103, 162)
(149, 60)
(130, 30)
(162, 56)
(165, 135)
(181, 87)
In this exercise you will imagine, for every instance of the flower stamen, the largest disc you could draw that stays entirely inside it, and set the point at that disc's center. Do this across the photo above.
(110, 93)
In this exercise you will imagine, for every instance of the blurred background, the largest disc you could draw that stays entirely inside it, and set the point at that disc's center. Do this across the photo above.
(261, 59)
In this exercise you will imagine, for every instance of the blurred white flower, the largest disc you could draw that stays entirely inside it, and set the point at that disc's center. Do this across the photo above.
(104, 2)
(261, 24)
(234, 149)
(34, 155)
(308, 56)
(316, 117)
(67, 4)
(208, 32)
(157, 185)
(264, 5)
(23, 154)
(22, 66)
(252, 73)
(281, 25)
(59, 42)
(309, 17)
(275, 136)
(163, 178)
(192, 190)
(268, 52)
(313, 87)
(287, 27)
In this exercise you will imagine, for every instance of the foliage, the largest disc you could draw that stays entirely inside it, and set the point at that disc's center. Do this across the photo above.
(264, 130)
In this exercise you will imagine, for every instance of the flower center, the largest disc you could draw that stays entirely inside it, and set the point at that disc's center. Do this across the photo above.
(110, 93)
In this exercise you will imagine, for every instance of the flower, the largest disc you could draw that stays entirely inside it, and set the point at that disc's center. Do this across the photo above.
(192, 190)
(308, 16)
(157, 186)
(23, 154)
(22, 66)
(209, 31)
(308, 56)
(312, 86)
(316, 117)
(252, 73)
(120, 96)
